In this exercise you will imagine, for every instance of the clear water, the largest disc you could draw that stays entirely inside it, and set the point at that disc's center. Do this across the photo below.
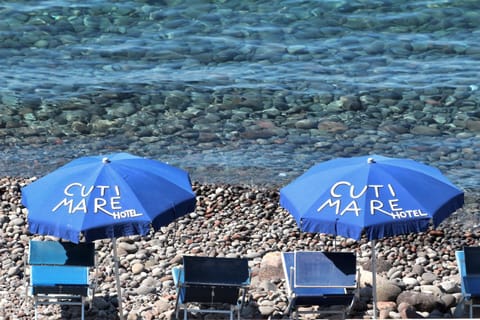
(68, 55)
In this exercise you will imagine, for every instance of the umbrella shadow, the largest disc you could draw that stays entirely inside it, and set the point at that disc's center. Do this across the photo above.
(104, 307)
(100, 307)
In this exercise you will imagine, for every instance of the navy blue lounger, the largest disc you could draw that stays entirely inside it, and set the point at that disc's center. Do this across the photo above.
(212, 282)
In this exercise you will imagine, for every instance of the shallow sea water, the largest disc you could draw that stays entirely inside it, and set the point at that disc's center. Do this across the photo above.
(240, 91)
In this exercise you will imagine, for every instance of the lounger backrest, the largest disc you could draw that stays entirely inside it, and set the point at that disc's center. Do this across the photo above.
(219, 271)
(61, 253)
(325, 269)
(54, 263)
(472, 260)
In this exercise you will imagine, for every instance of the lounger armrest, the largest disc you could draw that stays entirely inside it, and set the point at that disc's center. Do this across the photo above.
(178, 276)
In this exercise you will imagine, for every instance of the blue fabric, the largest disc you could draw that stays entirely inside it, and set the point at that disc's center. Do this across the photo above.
(472, 285)
(58, 275)
(333, 287)
(380, 198)
(211, 280)
(325, 269)
(47, 252)
(460, 256)
(126, 195)
(61, 253)
(472, 260)
(470, 282)
(218, 271)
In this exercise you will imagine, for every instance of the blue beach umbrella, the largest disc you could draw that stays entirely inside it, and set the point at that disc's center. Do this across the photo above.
(107, 197)
(373, 195)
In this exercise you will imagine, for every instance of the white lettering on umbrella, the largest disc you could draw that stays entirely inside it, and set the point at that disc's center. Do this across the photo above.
(391, 190)
(65, 203)
(85, 192)
(390, 207)
(377, 205)
(101, 204)
(409, 214)
(126, 214)
(81, 206)
(330, 203)
(375, 187)
(352, 206)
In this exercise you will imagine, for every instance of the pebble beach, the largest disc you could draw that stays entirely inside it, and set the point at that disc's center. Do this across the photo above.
(245, 96)
(417, 273)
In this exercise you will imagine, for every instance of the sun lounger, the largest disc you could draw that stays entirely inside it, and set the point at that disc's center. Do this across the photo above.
(468, 261)
(59, 273)
(213, 283)
(323, 279)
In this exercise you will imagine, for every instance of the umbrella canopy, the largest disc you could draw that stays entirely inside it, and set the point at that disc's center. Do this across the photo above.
(106, 197)
(375, 195)
(372, 195)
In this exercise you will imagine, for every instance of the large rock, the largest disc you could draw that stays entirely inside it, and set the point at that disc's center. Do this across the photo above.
(408, 311)
(388, 291)
(271, 267)
(366, 278)
(421, 301)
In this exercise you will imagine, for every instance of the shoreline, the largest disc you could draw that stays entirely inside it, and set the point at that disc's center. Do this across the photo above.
(246, 221)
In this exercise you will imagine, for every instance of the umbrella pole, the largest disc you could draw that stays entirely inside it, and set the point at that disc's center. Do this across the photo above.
(117, 277)
(374, 280)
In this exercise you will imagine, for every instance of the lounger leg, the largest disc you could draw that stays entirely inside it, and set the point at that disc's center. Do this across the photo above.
(185, 314)
(35, 305)
(177, 309)
(83, 308)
